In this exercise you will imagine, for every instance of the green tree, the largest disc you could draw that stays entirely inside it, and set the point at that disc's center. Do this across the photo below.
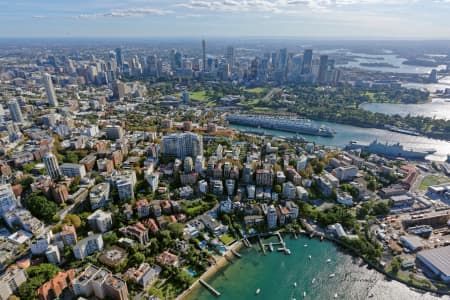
(138, 257)
(277, 188)
(41, 207)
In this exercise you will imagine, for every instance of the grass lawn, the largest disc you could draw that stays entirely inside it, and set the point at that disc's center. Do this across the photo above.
(432, 180)
(226, 238)
(252, 102)
(200, 95)
(261, 109)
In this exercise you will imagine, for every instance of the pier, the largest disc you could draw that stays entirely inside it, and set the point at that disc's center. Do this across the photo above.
(246, 243)
(236, 253)
(263, 249)
(210, 288)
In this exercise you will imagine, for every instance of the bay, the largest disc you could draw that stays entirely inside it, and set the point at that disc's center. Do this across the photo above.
(275, 273)
(346, 133)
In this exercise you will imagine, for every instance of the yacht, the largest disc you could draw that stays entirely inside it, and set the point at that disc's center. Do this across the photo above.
(332, 275)
(313, 280)
(271, 247)
(309, 257)
(335, 296)
(258, 291)
(305, 245)
(295, 284)
(287, 251)
(329, 260)
(304, 294)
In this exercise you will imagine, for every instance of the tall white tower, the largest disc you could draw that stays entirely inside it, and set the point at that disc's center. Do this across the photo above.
(52, 100)
(14, 109)
(51, 165)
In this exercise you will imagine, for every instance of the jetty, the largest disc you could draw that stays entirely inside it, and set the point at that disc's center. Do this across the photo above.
(210, 288)
(246, 243)
(262, 246)
(236, 253)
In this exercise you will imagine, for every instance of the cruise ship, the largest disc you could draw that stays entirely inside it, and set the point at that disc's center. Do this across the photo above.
(303, 126)
(391, 150)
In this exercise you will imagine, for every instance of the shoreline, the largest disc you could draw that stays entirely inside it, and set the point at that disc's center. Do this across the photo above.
(221, 262)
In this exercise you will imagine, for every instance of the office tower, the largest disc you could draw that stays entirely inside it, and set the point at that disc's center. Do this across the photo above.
(283, 58)
(182, 145)
(14, 109)
(230, 56)
(7, 198)
(119, 58)
(52, 100)
(323, 69)
(204, 55)
(51, 165)
(307, 61)
(185, 97)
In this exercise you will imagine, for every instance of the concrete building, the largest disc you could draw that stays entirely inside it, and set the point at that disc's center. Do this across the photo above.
(289, 190)
(271, 217)
(73, 170)
(125, 188)
(10, 282)
(144, 275)
(53, 255)
(88, 246)
(136, 231)
(51, 165)
(55, 287)
(346, 173)
(15, 112)
(99, 195)
(8, 199)
(100, 221)
(51, 95)
(182, 145)
(264, 177)
(114, 132)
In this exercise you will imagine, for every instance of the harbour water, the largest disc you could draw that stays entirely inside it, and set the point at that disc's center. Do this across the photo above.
(275, 274)
(347, 133)
(438, 108)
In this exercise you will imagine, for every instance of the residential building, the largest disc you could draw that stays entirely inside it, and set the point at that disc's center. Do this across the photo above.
(114, 132)
(52, 100)
(346, 173)
(271, 217)
(8, 199)
(182, 145)
(344, 198)
(55, 287)
(88, 246)
(289, 190)
(142, 208)
(168, 259)
(136, 231)
(51, 165)
(100, 221)
(125, 188)
(53, 255)
(10, 282)
(144, 275)
(264, 177)
(73, 170)
(99, 195)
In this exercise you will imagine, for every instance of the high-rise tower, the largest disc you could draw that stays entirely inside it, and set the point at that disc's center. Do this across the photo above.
(52, 100)
(14, 109)
(204, 55)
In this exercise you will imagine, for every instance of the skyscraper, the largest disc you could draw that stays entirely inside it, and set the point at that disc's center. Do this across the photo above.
(323, 69)
(14, 109)
(52, 100)
(283, 58)
(119, 58)
(204, 55)
(307, 61)
(230, 56)
(51, 165)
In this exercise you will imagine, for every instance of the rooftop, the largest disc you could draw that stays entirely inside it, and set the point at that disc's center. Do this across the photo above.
(438, 257)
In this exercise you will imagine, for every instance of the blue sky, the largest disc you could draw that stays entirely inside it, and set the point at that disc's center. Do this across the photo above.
(361, 19)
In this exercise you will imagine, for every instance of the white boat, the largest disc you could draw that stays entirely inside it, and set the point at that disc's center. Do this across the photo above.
(258, 291)
(295, 284)
(287, 251)
(305, 245)
(328, 260)
(271, 247)
(335, 296)
(313, 280)
(309, 257)
(304, 294)
(332, 275)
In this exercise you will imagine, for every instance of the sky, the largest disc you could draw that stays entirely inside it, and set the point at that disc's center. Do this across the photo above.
(317, 19)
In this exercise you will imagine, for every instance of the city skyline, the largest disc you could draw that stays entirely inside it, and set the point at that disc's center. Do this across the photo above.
(354, 19)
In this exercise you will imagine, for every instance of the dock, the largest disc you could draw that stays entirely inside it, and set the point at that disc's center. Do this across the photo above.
(263, 249)
(236, 253)
(246, 243)
(228, 259)
(210, 288)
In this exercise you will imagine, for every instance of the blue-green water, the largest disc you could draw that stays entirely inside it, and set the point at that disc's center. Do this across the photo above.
(275, 273)
(347, 133)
